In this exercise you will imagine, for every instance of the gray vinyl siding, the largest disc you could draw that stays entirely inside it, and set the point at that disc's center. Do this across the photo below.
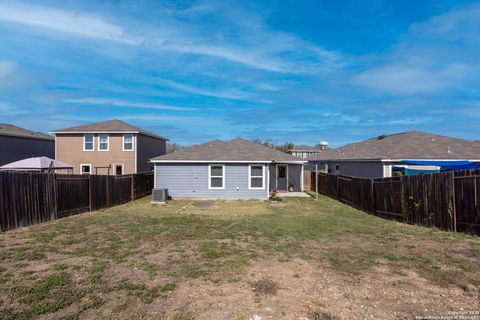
(363, 169)
(191, 181)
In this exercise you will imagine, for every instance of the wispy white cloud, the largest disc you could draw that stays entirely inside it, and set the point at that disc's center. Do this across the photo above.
(191, 120)
(405, 78)
(412, 121)
(125, 104)
(259, 47)
(220, 93)
(64, 21)
(437, 56)
(8, 109)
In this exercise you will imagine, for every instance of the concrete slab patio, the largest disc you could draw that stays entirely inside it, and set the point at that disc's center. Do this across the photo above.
(293, 194)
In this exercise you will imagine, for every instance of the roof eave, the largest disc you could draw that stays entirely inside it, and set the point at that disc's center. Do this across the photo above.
(109, 131)
(27, 137)
(227, 161)
(93, 131)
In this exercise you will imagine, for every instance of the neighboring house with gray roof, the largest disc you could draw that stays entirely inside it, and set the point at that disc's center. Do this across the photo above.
(303, 151)
(235, 169)
(383, 155)
(18, 143)
(108, 147)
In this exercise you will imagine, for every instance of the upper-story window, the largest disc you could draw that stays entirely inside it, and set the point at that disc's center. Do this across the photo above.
(128, 142)
(103, 142)
(88, 142)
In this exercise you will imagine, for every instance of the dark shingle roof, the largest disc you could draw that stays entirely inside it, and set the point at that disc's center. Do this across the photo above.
(14, 131)
(233, 150)
(405, 145)
(108, 126)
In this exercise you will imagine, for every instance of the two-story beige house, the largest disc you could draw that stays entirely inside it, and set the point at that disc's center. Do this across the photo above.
(110, 147)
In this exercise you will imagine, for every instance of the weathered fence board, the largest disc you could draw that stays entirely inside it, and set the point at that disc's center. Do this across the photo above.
(72, 194)
(467, 201)
(143, 184)
(307, 180)
(388, 198)
(28, 198)
(447, 200)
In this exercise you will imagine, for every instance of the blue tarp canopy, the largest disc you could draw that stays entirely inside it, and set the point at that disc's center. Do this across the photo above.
(446, 165)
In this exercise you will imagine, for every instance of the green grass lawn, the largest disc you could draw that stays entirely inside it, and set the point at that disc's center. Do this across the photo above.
(137, 254)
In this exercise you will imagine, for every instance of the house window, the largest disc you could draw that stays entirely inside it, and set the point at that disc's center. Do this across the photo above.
(337, 167)
(216, 177)
(85, 168)
(128, 142)
(118, 169)
(103, 142)
(256, 175)
(88, 142)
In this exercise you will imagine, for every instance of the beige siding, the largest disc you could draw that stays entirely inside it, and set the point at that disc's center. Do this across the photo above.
(70, 150)
(148, 148)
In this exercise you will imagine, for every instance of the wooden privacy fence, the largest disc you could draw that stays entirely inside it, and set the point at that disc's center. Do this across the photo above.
(28, 198)
(447, 200)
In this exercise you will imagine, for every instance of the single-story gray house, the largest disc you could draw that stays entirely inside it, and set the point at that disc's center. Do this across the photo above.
(235, 169)
(411, 152)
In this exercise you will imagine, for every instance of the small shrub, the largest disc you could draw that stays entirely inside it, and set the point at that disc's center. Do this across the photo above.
(265, 287)
(274, 195)
(317, 315)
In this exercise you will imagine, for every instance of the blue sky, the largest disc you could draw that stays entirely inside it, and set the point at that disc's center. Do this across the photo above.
(286, 70)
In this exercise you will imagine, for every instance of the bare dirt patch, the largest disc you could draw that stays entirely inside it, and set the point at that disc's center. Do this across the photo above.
(306, 289)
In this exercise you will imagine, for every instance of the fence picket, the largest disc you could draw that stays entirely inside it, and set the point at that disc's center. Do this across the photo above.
(28, 198)
(446, 200)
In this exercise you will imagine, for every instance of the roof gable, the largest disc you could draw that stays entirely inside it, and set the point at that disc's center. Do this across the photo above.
(405, 145)
(108, 126)
(231, 151)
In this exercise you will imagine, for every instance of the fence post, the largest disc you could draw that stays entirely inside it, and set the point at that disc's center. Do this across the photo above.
(404, 200)
(132, 186)
(373, 209)
(90, 200)
(55, 197)
(316, 181)
(454, 207)
(337, 180)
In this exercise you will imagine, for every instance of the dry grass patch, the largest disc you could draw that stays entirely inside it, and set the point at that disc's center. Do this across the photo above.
(140, 260)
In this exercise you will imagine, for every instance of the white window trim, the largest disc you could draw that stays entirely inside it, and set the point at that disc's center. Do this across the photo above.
(133, 142)
(209, 176)
(116, 165)
(85, 165)
(250, 177)
(93, 142)
(108, 142)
